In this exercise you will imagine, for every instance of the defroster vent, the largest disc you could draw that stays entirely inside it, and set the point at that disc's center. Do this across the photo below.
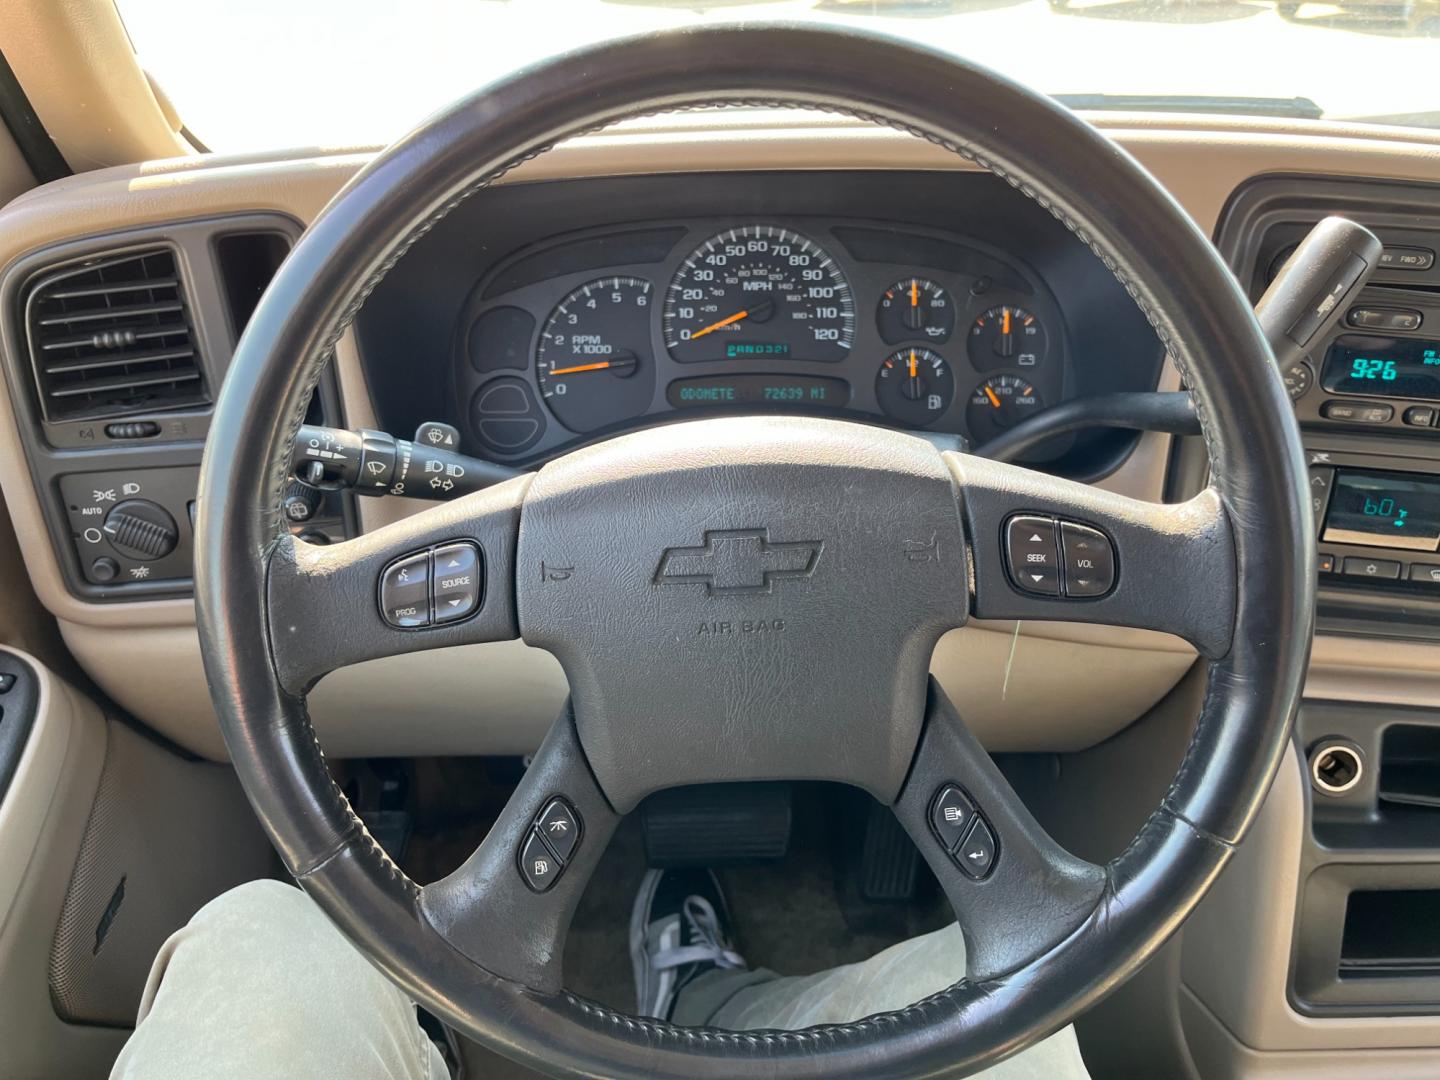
(112, 336)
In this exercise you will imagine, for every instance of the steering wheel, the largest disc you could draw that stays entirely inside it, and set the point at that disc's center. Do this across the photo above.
(758, 598)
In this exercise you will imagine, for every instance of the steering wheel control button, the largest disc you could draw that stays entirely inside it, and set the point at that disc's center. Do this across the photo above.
(539, 866)
(950, 816)
(1387, 569)
(1033, 555)
(976, 854)
(405, 592)
(458, 582)
(1089, 560)
(560, 828)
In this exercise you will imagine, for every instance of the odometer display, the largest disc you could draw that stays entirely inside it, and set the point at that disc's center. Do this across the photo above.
(759, 291)
(719, 391)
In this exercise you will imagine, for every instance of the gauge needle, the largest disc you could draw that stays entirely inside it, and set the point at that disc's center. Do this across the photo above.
(914, 365)
(914, 293)
(1005, 324)
(601, 366)
(994, 398)
(722, 323)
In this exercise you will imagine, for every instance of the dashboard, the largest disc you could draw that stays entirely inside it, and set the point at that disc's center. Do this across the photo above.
(578, 310)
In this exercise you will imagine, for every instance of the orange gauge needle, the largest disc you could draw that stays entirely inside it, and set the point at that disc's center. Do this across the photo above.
(601, 366)
(914, 365)
(1005, 324)
(994, 398)
(914, 293)
(718, 325)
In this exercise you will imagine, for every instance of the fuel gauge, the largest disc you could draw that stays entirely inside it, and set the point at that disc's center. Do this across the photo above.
(915, 309)
(915, 386)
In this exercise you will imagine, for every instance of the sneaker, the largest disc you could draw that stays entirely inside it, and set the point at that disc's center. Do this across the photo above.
(679, 929)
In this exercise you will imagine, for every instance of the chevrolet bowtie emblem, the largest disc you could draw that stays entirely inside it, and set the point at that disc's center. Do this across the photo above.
(737, 561)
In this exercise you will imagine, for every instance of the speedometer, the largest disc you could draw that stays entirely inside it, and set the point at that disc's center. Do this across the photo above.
(759, 293)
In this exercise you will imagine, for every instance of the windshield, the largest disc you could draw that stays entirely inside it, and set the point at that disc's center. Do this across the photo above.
(260, 74)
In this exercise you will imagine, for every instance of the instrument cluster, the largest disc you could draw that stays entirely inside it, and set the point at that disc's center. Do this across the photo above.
(594, 333)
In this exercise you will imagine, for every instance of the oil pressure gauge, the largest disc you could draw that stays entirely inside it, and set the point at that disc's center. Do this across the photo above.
(915, 309)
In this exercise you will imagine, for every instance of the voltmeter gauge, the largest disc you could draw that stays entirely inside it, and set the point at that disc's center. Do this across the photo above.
(915, 386)
(1007, 336)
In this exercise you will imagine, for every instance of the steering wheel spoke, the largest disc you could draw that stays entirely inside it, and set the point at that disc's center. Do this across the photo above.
(509, 906)
(442, 577)
(1016, 892)
(1048, 548)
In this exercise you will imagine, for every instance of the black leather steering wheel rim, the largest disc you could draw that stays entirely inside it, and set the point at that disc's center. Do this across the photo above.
(1087, 182)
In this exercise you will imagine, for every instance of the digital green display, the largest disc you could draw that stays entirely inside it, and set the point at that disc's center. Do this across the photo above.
(1394, 510)
(1383, 367)
(755, 349)
(809, 391)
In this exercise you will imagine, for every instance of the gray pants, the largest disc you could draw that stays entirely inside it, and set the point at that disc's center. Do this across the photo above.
(259, 985)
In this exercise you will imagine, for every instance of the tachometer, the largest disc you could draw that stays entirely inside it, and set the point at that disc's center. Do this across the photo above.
(594, 363)
(759, 293)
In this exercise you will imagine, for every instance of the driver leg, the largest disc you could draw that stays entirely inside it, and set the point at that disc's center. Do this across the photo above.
(721, 992)
(260, 984)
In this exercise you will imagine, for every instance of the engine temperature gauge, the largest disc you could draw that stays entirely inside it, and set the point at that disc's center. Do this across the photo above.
(915, 386)
(1007, 336)
(915, 309)
(999, 403)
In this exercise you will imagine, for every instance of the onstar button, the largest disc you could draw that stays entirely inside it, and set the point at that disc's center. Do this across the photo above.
(459, 585)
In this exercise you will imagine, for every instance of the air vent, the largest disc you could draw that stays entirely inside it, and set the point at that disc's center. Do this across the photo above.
(112, 336)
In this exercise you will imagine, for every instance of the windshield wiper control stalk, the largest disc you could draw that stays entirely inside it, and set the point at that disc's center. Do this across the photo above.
(375, 463)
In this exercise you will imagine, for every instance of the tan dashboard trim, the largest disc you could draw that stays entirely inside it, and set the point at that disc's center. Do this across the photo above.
(1201, 160)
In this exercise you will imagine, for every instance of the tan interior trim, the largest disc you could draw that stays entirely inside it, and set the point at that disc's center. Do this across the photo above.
(42, 822)
(78, 68)
(1237, 945)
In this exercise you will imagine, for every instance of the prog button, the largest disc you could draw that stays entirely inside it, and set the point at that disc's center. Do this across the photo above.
(405, 592)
